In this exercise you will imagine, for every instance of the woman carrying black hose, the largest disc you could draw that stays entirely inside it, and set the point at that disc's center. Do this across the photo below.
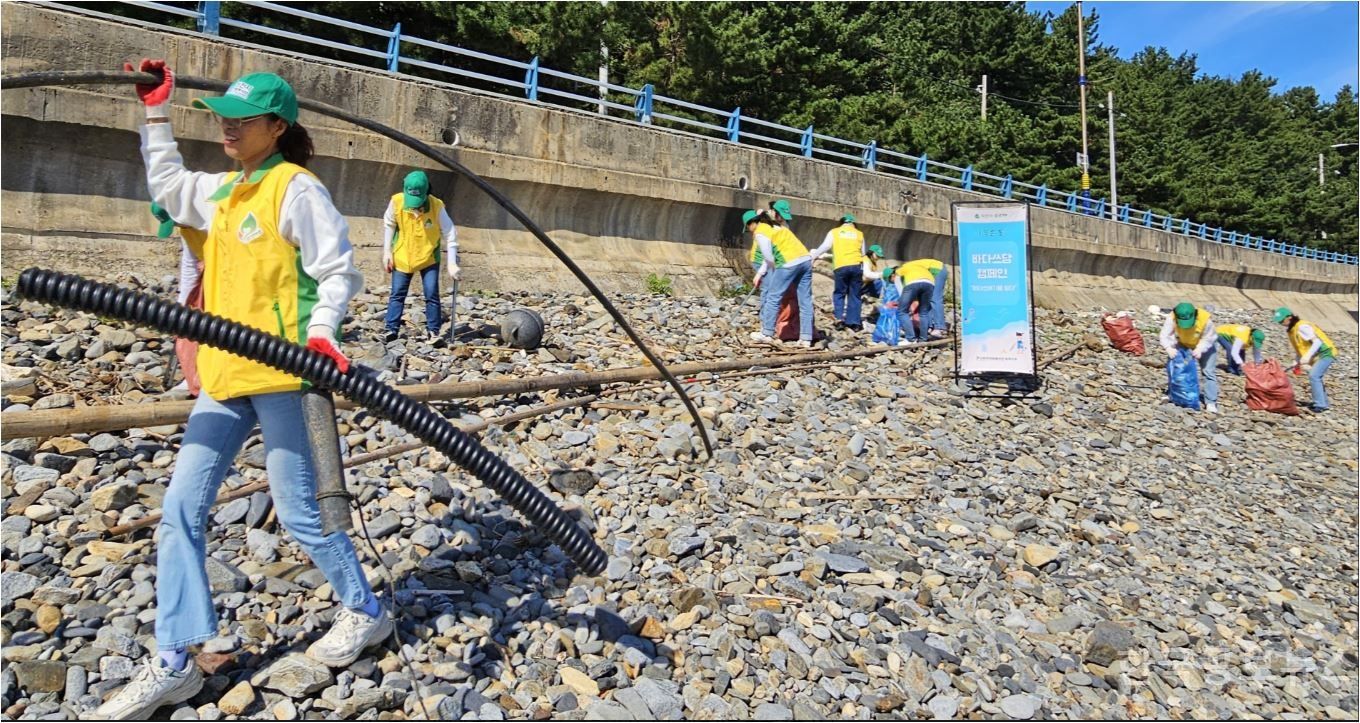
(278, 258)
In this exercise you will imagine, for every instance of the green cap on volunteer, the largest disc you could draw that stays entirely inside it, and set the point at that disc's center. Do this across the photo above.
(1185, 314)
(888, 272)
(1258, 338)
(1281, 314)
(783, 208)
(848, 218)
(167, 226)
(415, 189)
(253, 95)
(749, 216)
(876, 250)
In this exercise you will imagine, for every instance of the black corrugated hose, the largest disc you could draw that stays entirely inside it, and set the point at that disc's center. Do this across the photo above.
(105, 77)
(359, 385)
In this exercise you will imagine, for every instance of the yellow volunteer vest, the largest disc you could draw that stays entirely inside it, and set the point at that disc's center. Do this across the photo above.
(766, 230)
(1302, 345)
(847, 246)
(416, 245)
(194, 239)
(1235, 331)
(253, 276)
(931, 265)
(786, 246)
(914, 272)
(1189, 338)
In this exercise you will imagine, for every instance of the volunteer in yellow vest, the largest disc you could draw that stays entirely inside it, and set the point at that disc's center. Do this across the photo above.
(940, 278)
(1236, 337)
(277, 257)
(871, 280)
(846, 244)
(758, 225)
(1315, 352)
(787, 264)
(915, 283)
(413, 225)
(1190, 328)
(190, 292)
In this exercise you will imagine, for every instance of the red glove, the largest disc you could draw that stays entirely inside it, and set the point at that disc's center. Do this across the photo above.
(890, 305)
(1298, 370)
(154, 94)
(326, 346)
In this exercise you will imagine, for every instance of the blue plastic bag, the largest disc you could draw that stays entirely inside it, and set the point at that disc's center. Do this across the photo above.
(888, 328)
(1182, 375)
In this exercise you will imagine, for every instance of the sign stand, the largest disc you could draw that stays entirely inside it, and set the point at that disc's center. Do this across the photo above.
(995, 354)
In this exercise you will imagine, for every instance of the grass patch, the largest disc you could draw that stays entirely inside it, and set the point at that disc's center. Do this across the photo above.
(660, 285)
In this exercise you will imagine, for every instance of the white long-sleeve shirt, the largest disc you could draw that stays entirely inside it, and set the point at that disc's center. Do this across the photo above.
(446, 231)
(1169, 340)
(188, 273)
(1307, 333)
(308, 219)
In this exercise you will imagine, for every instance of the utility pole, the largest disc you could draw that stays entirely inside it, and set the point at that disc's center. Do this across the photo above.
(1322, 174)
(1081, 81)
(984, 97)
(1114, 192)
(604, 59)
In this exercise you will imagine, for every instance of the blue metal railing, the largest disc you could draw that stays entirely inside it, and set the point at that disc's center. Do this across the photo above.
(539, 84)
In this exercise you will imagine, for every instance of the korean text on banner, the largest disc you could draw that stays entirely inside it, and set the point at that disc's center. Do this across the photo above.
(994, 298)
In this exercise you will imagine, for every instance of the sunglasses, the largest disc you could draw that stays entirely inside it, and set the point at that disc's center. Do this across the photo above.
(235, 124)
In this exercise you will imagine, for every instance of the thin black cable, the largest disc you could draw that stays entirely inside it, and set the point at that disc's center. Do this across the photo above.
(106, 77)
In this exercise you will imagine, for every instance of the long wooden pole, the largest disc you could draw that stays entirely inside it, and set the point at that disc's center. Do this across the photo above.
(61, 422)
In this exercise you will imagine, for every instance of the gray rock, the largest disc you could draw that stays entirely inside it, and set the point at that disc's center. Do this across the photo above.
(843, 563)
(14, 585)
(1107, 643)
(233, 511)
(772, 711)
(225, 577)
(1020, 707)
(384, 525)
(295, 675)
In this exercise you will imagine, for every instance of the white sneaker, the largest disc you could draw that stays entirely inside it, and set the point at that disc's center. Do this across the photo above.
(905, 342)
(154, 686)
(1211, 408)
(349, 635)
(761, 338)
(803, 344)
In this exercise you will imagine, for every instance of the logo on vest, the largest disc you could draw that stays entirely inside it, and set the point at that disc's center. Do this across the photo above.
(249, 230)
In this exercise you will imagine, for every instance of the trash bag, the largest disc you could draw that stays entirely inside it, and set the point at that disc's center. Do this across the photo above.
(1268, 388)
(786, 326)
(186, 351)
(888, 328)
(1123, 335)
(1183, 379)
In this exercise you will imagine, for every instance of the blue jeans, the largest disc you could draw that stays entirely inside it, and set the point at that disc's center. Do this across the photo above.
(764, 283)
(780, 281)
(1208, 363)
(937, 300)
(920, 293)
(845, 301)
(1227, 345)
(401, 284)
(216, 431)
(1320, 367)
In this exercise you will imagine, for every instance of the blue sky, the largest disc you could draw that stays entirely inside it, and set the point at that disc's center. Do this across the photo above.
(1298, 43)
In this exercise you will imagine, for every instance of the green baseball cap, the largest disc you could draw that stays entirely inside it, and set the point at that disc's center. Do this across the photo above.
(876, 250)
(415, 189)
(252, 95)
(1185, 314)
(167, 226)
(783, 208)
(1282, 313)
(1258, 338)
(749, 216)
(888, 272)
(848, 218)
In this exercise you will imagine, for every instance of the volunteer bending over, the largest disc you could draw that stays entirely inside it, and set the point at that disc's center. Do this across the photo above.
(1314, 351)
(277, 257)
(1190, 328)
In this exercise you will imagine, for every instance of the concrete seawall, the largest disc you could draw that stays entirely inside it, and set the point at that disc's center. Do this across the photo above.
(622, 199)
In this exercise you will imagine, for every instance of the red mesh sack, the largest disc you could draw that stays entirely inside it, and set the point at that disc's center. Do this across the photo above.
(1269, 389)
(1123, 335)
(786, 326)
(186, 350)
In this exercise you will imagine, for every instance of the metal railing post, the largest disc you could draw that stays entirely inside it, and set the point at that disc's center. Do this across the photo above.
(870, 156)
(394, 49)
(1072, 202)
(1007, 186)
(531, 80)
(922, 174)
(734, 125)
(1100, 209)
(807, 142)
(967, 179)
(210, 16)
(642, 108)
(1042, 195)
(1124, 213)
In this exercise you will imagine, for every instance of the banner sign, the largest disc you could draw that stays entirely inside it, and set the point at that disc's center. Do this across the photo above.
(996, 315)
